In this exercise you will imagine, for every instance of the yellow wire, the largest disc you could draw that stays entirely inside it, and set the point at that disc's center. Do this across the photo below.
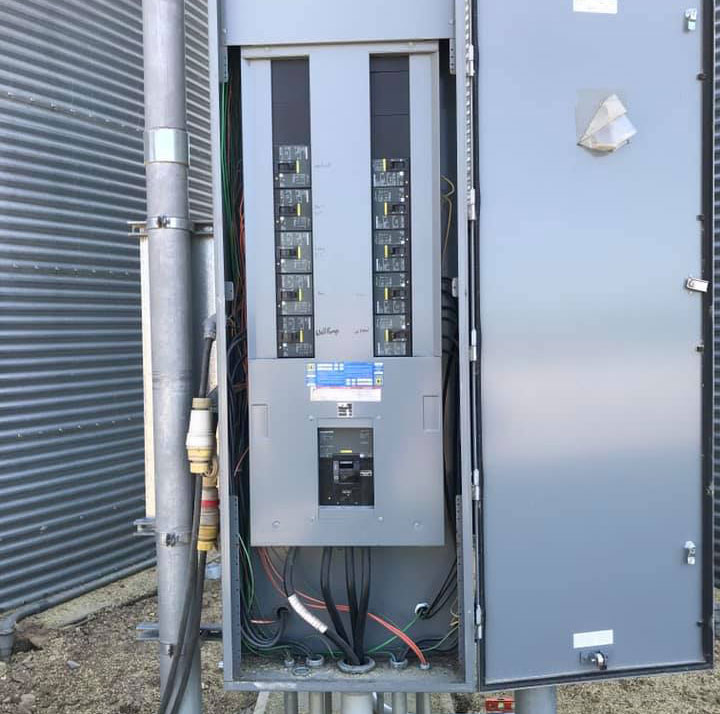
(447, 197)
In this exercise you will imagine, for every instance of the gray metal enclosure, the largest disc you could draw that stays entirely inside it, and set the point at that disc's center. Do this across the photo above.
(594, 450)
(584, 507)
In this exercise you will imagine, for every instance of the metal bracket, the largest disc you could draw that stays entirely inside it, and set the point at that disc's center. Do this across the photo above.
(166, 145)
(690, 552)
(144, 526)
(150, 632)
(691, 18)
(452, 56)
(697, 285)
(199, 229)
(174, 222)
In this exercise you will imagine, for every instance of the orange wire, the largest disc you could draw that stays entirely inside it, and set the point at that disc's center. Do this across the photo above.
(317, 604)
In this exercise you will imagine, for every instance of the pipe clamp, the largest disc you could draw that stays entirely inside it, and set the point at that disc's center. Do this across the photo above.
(175, 222)
(172, 539)
(167, 145)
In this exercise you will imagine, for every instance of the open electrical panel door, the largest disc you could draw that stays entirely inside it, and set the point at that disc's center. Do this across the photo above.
(595, 449)
(464, 417)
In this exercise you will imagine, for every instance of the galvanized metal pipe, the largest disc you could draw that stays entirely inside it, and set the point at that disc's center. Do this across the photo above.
(422, 703)
(291, 703)
(317, 703)
(542, 700)
(356, 703)
(170, 310)
(399, 703)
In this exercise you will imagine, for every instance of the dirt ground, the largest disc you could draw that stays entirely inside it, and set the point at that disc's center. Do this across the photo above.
(97, 667)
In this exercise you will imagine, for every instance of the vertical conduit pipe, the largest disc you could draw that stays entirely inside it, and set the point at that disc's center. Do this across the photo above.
(356, 703)
(291, 703)
(542, 700)
(168, 227)
(317, 703)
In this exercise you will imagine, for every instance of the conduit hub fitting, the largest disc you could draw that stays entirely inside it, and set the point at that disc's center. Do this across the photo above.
(200, 440)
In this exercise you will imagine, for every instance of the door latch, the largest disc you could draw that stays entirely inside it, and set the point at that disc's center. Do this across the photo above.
(599, 659)
(697, 285)
(690, 552)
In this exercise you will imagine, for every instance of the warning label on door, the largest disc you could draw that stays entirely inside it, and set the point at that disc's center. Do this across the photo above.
(605, 7)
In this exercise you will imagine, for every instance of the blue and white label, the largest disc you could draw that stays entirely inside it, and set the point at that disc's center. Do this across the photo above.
(345, 381)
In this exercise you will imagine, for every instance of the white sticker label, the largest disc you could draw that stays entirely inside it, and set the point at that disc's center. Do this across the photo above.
(599, 638)
(605, 7)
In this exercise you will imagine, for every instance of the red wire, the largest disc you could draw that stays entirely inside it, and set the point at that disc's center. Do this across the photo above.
(317, 604)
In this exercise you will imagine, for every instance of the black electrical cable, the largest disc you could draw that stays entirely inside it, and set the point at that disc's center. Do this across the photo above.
(331, 635)
(187, 597)
(352, 596)
(192, 636)
(325, 587)
(205, 366)
(364, 603)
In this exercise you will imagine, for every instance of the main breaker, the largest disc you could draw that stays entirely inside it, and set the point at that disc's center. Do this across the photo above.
(462, 251)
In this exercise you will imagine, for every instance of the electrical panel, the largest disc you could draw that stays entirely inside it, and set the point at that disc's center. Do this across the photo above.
(344, 318)
(470, 348)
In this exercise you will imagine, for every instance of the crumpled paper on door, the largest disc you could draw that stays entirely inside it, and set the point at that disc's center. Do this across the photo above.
(610, 128)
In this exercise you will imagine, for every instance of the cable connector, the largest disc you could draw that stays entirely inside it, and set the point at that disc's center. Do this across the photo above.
(209, 326)
(209, 510)
(200, 440)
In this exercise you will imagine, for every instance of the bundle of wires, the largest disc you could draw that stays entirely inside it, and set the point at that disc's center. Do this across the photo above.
(188, 636)
(358, 607)
(261, 633)
(264, 634)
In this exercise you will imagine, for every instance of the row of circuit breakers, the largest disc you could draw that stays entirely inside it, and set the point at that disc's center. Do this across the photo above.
(390, 219)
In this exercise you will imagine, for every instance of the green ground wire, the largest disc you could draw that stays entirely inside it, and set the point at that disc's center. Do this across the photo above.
(379, 647)
(435, 646)
(251, 599)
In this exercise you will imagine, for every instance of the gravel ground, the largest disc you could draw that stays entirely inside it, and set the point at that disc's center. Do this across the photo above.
(97, 667)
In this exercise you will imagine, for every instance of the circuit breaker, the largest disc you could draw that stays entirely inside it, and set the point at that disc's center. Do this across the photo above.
(342, 218)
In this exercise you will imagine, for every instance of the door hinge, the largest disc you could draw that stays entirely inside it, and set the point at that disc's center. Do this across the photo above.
(697, 285)
(476, 484)
(470, 60)
(452, 57)
(478, 622)
(473, 345)
(471, 205)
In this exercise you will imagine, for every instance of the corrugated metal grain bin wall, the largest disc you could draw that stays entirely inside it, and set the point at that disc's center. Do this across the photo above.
(71, 403)
(716, 329)
(197, 79)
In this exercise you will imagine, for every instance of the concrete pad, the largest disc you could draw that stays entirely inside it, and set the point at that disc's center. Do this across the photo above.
(123, 592)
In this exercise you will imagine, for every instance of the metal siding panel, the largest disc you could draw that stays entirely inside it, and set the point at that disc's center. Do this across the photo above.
(716, 287)
(71, 408)
(198, 108)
